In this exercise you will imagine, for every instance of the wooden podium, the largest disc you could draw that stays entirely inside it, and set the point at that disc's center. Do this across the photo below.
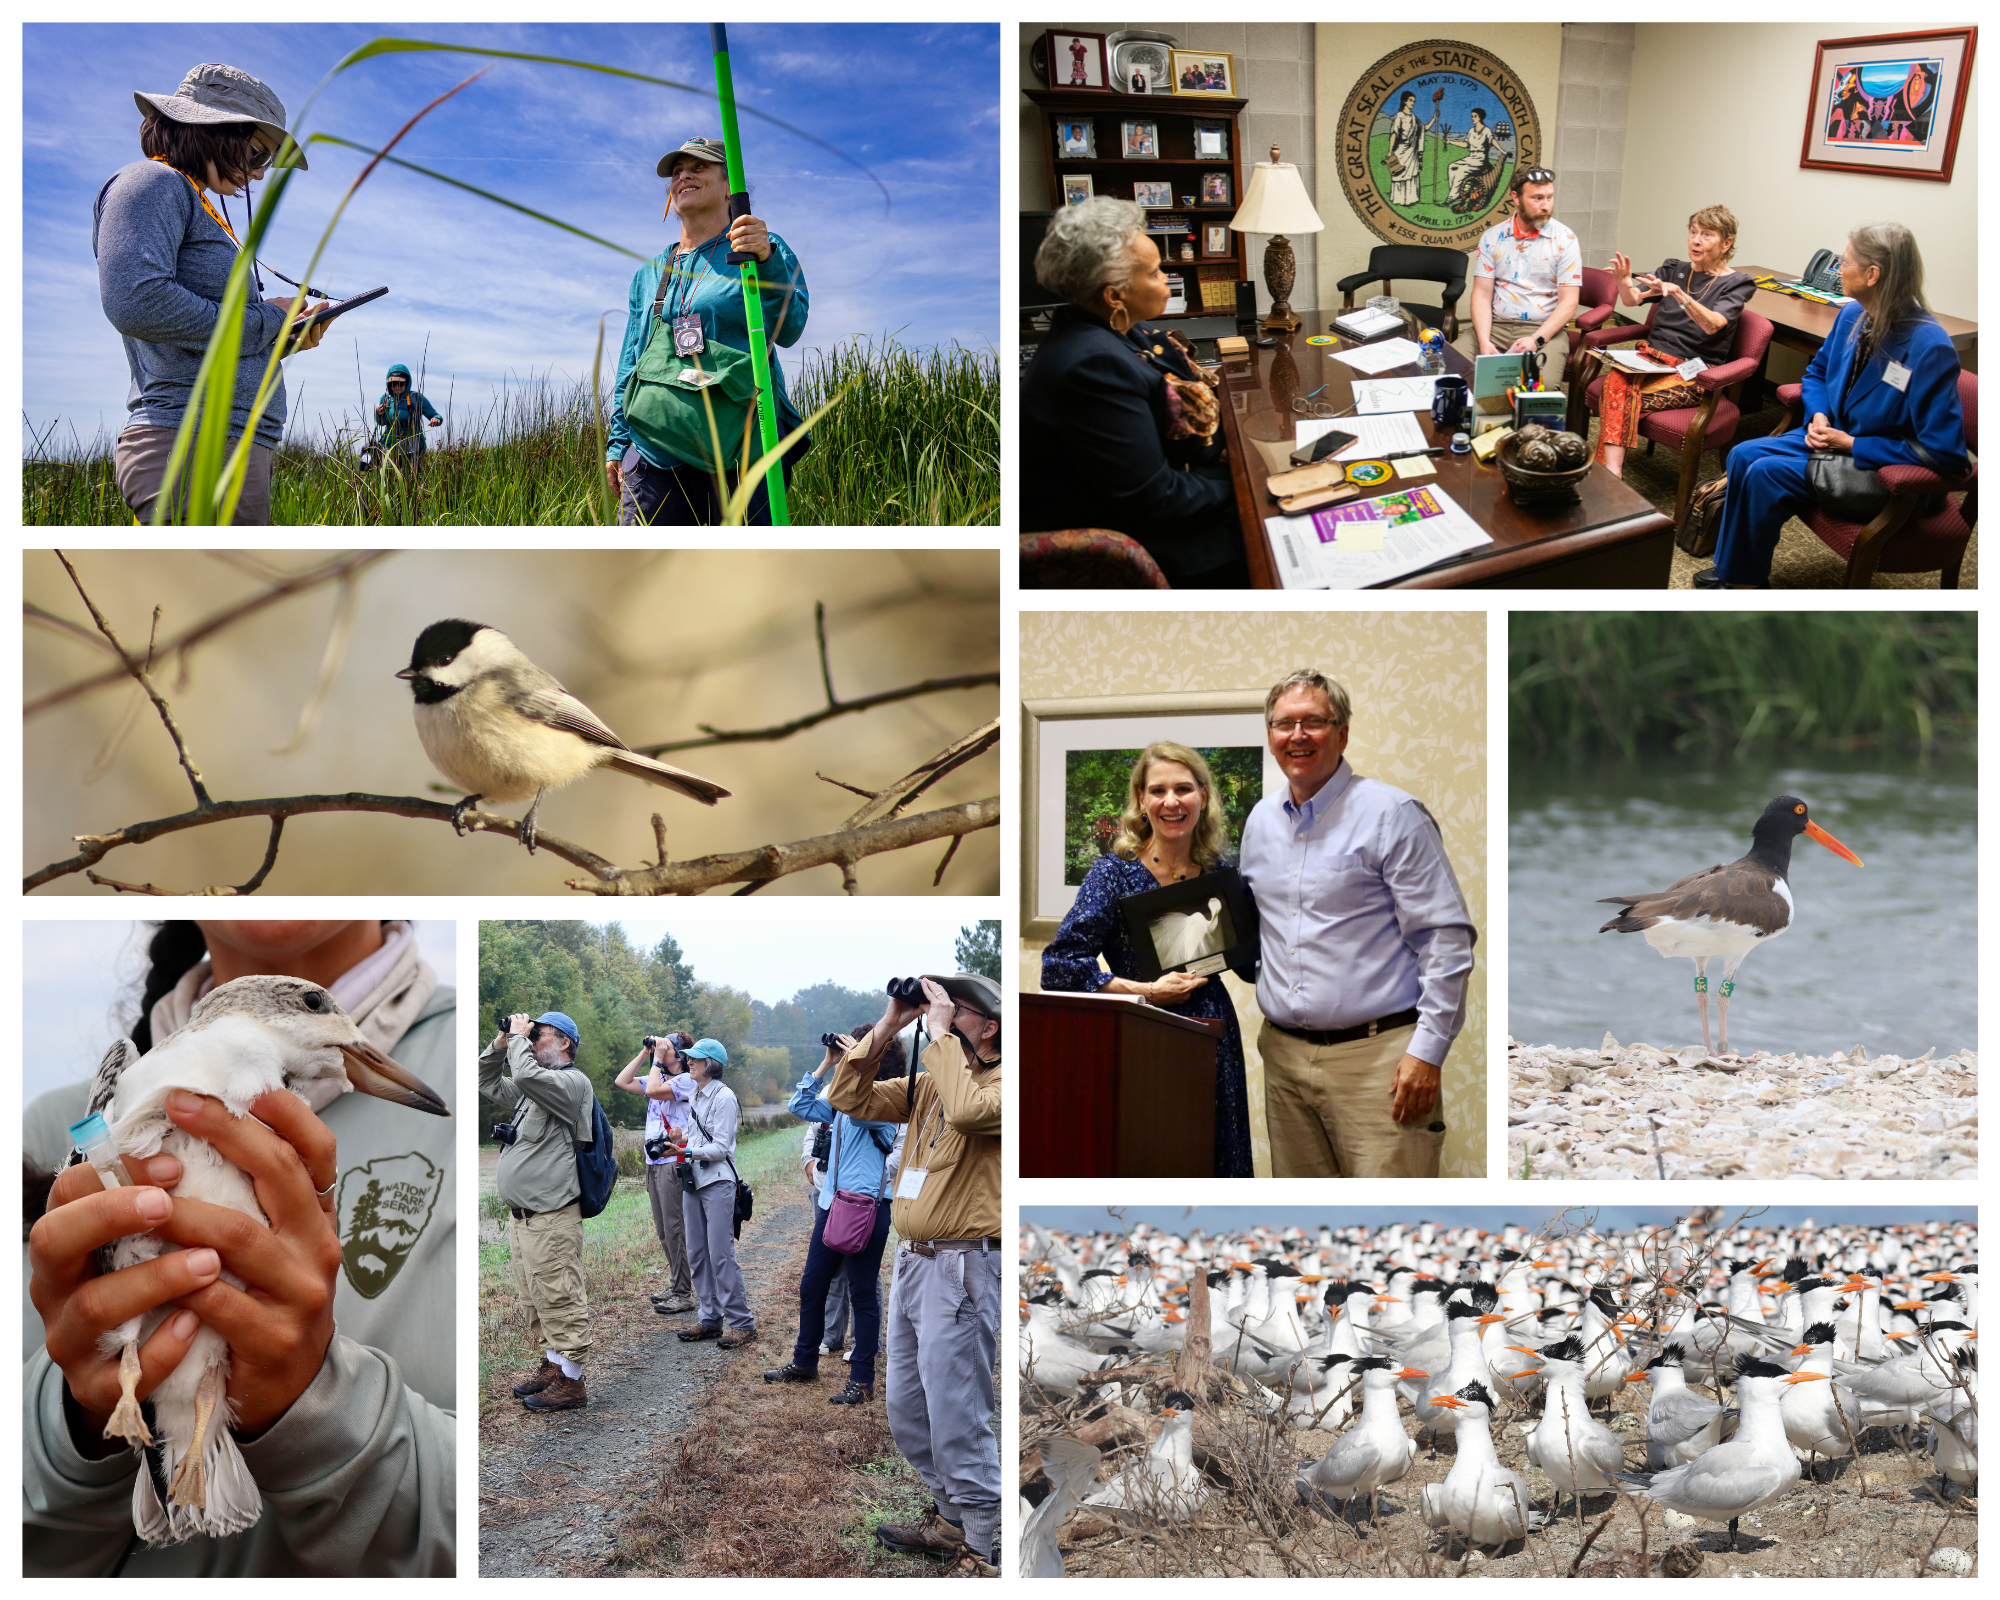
(1114, 1088)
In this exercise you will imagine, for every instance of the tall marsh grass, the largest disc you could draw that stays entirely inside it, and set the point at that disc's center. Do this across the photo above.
(916, 440)
(1646, 683)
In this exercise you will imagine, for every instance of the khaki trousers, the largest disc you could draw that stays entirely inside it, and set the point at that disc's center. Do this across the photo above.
(140, 463)
(1327, 1107)
(663, 1189)
(548, 1270)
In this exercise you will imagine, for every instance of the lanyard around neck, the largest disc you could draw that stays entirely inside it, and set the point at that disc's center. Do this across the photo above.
(201, 194)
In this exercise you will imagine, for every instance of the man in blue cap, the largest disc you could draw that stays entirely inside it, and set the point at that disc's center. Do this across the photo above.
(551, 1103)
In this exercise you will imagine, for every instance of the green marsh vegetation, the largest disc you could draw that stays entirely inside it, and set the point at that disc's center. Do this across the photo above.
(1638, 684)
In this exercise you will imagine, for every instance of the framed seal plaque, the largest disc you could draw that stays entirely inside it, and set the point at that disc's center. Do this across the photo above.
(1430, 136)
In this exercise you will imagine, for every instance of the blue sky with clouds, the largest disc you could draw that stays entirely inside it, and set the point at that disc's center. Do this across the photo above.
(500, 297)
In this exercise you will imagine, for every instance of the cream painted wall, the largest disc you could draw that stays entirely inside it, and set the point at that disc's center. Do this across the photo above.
(1345, 51)
(1784, 211)
(1418, 685)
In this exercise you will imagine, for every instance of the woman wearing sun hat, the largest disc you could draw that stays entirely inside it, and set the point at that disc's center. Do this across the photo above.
(656, 488)
(164, 251)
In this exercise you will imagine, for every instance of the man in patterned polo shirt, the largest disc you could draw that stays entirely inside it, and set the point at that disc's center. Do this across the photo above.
(1528, 277)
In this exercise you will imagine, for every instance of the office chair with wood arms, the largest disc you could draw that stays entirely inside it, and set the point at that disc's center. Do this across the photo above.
(1904, 537)
(1595, 303)
(1422, 263)
(1087, 558)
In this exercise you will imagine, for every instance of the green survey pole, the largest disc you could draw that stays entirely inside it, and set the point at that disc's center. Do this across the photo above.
(753, 296)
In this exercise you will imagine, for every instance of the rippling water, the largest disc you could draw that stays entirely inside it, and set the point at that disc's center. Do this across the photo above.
(1884, 956)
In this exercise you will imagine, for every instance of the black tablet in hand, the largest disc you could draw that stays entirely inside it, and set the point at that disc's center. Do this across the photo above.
(329, 312)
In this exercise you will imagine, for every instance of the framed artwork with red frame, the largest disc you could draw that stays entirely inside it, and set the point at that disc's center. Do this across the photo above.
(1889, 104)
(1077, 60)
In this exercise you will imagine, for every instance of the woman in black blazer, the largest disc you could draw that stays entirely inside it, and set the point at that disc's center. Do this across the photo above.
(1099, 420)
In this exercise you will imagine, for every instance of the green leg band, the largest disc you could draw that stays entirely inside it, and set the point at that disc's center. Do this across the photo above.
(1728, 987)
(1701, 985)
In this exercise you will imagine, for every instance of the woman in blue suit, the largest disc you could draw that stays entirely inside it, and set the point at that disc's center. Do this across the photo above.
(1883, 388)
(1105, 438)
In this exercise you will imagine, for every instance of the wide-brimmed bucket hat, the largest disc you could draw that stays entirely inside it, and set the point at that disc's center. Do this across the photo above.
(214, 93)
(709, 150)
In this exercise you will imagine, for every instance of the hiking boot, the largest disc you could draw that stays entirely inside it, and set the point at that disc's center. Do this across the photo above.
(562, 1394)
(538, 1380)
(737, 1338)
(932, 1536)
(673, 1305)
(855, 1394)
(968, 1563)
(791, 1372)
(701, 1330)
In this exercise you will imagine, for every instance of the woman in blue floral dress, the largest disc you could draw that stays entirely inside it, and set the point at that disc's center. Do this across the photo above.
(1170, 831)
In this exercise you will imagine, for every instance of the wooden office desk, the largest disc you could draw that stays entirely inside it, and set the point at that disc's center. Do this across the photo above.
(1804, 324)
(1610, 538)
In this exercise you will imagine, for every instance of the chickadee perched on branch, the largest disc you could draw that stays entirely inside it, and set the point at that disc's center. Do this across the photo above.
(502, 729)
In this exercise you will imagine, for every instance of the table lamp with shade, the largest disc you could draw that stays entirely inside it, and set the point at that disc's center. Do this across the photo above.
(1277, 204)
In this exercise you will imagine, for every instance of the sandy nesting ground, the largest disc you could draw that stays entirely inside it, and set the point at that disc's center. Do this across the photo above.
(1593, 1113)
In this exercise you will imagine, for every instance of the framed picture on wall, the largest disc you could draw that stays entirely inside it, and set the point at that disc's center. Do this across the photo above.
(1140, 140)
(1215, 240)
(1076, 766)
(1204, 72)
(1076, 139)
(1076, 60)
(1077, 188)
(1889, 103)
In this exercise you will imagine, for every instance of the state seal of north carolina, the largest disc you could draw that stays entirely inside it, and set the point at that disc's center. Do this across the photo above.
(1429, 139)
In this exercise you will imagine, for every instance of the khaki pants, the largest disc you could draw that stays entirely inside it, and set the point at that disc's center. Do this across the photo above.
(548, 1270)
(1555, 353)
(663, 1189)
(1326, 1108)
(140, 462)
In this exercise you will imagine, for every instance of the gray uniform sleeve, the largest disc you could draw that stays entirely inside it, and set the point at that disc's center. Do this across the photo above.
(76, 1513)
(1431, 914)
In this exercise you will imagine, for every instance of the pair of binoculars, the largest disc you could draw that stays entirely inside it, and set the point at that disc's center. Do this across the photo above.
(910, 989)
(830, 1041)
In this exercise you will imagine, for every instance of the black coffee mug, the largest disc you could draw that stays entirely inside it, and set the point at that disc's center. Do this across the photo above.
(1449, 401)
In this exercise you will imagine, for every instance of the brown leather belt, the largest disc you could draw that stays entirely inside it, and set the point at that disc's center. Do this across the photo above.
(1365, 1030)
(930, 1247)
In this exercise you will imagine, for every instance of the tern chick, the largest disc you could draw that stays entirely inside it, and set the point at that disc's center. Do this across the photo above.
(242, 1040)
(502, 729)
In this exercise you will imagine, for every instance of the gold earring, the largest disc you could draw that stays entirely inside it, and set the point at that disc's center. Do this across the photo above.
(1121, 319)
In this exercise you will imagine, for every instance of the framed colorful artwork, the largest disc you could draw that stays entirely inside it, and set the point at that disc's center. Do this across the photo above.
(1890, 103)
(1076, 60)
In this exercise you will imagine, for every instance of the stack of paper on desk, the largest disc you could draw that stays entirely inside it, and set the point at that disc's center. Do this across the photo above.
(1381, 357)
(1364, 542)
(1393, 394)
(1373, 436)
(1365, 323)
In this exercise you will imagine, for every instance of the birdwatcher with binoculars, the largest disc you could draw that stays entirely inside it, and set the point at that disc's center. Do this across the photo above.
(944, 1305)
(850, 1224)
(165, 250)
(714, 1201)
(660, 1073)
(531, 1067)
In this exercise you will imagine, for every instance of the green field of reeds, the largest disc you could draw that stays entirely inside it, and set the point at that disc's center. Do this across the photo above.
(914, 441)
(1633, 684)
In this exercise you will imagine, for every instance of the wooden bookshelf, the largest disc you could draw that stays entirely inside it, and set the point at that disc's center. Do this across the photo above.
(1176, 164)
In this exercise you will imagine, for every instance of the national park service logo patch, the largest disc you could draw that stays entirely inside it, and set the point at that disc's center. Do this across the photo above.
(1429, 140)
(381, 1210)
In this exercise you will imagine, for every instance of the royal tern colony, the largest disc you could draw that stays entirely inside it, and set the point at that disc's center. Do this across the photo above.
(1785, 1396)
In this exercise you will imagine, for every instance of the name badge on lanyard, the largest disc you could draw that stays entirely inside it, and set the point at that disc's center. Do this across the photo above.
(1897, 377)
(911, 1183)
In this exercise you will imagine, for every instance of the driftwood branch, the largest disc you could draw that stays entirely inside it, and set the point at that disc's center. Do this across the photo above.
(845, 847)
(179, 646)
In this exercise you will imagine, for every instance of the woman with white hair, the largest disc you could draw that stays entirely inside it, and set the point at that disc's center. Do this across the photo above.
(1882, 391)
(1119, 430)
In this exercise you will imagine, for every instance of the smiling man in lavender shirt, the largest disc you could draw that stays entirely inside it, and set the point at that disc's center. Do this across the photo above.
(1366, 948)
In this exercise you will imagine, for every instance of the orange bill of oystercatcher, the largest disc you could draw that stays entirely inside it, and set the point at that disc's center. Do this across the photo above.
(1726, 911)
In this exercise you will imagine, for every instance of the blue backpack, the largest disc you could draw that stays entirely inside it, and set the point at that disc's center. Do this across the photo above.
(596, 1165)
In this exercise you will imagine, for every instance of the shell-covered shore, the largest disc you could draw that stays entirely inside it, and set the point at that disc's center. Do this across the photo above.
(1630, 1111)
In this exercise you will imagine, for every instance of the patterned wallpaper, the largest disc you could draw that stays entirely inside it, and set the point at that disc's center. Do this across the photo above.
(1417, 681)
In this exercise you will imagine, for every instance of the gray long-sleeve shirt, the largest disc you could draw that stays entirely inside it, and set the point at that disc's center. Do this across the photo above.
(359, 1477)
(162, 264)
(538, 1170)
(715, 1105)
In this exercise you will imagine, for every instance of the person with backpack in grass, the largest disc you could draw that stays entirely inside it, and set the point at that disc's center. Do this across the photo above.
(532, 1068)
(708, 1200)
(401, 413)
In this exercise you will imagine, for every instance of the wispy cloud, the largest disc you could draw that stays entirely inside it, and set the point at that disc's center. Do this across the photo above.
(498, 295)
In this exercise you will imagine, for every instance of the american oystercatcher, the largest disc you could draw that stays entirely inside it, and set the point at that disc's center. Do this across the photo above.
(1726, 911)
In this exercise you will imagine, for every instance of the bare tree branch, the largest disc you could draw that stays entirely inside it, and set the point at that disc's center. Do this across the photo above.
(846, 846)
(145, 681)
(206, 629)
(887, 802)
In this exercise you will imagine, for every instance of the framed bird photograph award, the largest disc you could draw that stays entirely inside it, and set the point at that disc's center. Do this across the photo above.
(1200, 925)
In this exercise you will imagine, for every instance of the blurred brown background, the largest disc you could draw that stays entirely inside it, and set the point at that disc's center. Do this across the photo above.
(654, 642)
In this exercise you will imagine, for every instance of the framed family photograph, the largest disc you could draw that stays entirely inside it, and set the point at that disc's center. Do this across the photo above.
(1153, 196)
(1076, 768)
(1889, 104)
(1076, 60)
(1215, 240)
(1076, 139)
(1141, 140)
(1077, 188)
(1215, 189)
(1211, 141)
(1204, 72)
